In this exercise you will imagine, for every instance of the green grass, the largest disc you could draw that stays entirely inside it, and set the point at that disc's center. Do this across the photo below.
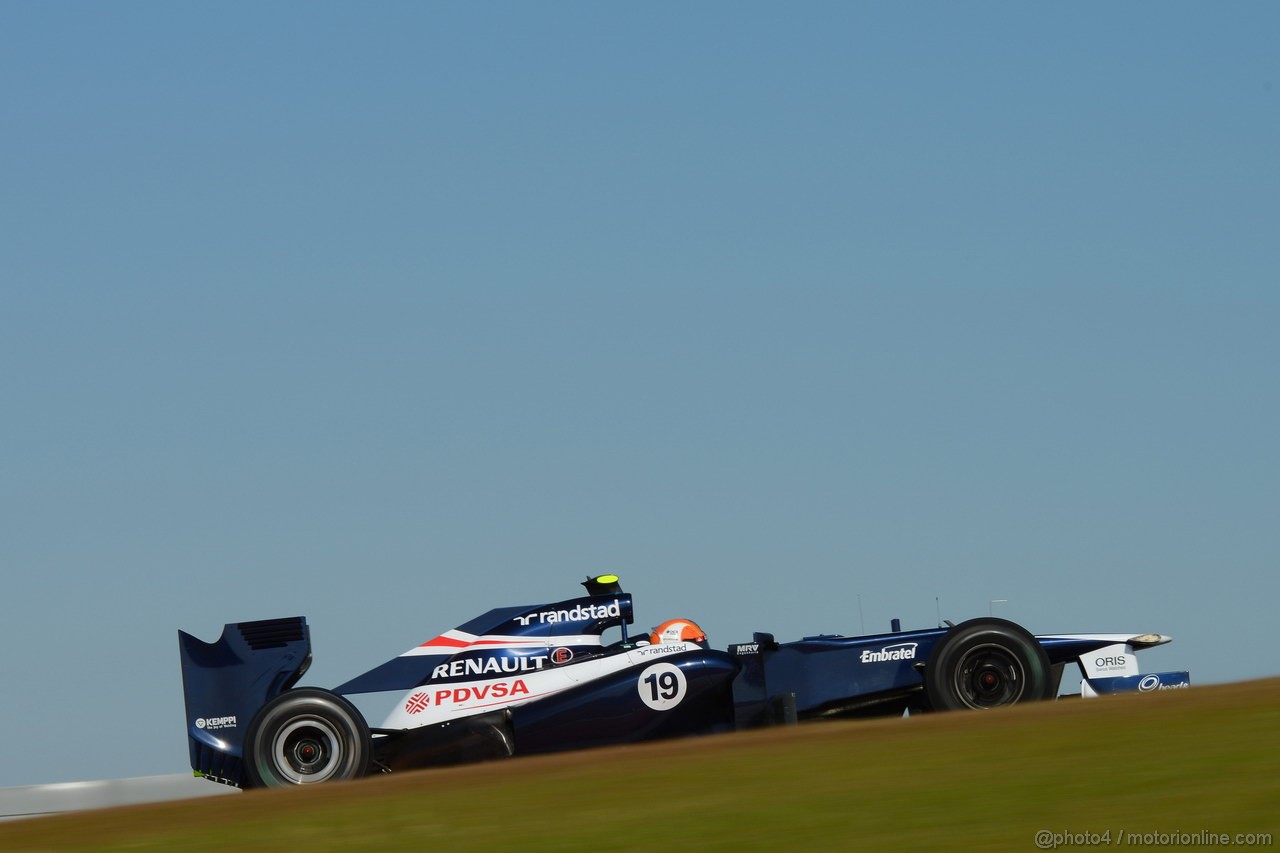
(1200, 760)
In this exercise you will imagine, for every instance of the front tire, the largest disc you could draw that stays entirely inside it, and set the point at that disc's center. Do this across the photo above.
(304, 737)
(987, 663)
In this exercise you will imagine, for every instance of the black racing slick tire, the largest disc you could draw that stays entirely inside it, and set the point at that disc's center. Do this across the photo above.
(304, 737)
(987, 663)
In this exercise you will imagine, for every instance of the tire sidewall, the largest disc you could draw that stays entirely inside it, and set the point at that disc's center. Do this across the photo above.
(321, 709)
(1008, 638)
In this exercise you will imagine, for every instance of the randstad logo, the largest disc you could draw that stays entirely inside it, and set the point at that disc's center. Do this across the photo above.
(580, 613)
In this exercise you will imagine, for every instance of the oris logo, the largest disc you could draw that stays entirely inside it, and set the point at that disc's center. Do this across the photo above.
(1111, 662)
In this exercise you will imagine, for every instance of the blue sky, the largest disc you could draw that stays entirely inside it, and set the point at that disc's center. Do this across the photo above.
(798, 317)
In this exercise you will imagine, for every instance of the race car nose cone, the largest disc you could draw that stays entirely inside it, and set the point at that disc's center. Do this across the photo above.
(1149, 640)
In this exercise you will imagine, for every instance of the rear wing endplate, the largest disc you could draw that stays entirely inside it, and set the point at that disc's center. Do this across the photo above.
(225, 682)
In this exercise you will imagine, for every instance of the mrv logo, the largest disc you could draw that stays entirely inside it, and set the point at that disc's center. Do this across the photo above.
(581, 613)
(900, 651)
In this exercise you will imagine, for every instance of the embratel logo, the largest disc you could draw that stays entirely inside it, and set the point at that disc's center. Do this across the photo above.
(209, 723)
(901, 651)
(417, 703)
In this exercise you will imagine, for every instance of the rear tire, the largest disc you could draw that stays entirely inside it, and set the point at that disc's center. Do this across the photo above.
(987, 663)
(304, 737)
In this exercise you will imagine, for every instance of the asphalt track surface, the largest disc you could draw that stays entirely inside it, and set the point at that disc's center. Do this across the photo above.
(35, 800)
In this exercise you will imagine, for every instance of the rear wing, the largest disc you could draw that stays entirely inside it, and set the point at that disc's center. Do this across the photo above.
(224, 684)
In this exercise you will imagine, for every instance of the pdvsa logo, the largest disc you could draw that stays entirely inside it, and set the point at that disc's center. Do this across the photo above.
(466, 696)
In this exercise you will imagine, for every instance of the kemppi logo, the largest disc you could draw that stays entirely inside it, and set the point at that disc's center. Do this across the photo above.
(208, 723)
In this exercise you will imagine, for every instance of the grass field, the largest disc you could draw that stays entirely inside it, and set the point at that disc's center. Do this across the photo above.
(1204, 760)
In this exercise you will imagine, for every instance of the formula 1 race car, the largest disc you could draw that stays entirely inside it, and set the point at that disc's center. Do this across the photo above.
(531, 679)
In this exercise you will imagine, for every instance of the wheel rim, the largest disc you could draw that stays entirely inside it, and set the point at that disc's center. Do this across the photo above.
(306, 751)
(989, 676)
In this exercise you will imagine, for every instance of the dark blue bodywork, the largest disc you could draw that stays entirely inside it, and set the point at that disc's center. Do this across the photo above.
(608, 710)
(828, 675)
(762, 682)
(253, 662)
(226, 682)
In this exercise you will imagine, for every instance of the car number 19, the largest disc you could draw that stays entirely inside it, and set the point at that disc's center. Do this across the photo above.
(662, 686)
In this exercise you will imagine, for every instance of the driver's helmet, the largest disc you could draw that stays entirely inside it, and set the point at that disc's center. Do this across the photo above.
(678, 631)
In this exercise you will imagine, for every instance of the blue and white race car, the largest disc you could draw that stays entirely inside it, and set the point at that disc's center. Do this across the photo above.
(541, 678)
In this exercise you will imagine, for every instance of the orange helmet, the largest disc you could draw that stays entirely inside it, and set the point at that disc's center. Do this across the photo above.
(678, 631)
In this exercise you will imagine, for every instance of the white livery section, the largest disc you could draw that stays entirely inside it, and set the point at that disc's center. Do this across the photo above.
(438, 702)
(1110, 661)
(452, 642)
